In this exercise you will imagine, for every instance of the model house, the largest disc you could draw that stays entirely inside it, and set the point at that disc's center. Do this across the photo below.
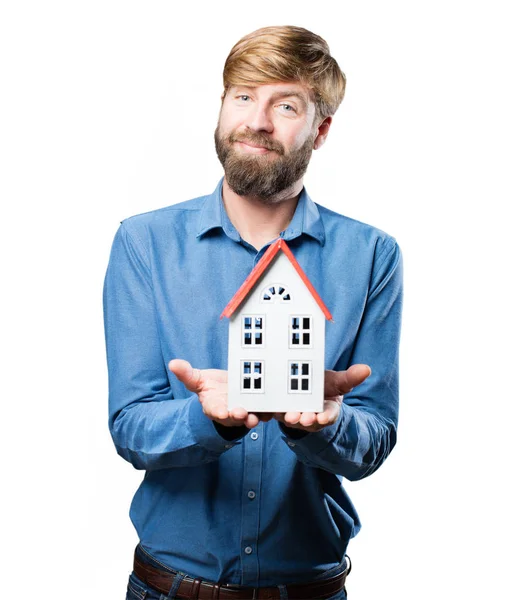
(276, 338)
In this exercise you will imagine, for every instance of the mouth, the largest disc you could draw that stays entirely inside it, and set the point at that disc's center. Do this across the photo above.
(252, 148)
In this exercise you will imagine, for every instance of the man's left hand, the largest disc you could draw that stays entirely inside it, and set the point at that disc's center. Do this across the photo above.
(336, 384)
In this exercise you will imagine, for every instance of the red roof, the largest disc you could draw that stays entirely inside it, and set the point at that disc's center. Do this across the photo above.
(261, 266)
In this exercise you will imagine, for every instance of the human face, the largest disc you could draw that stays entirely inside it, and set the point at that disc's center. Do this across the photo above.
(264, 138)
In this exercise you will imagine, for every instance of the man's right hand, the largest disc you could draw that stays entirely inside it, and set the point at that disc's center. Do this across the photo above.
(211, 387)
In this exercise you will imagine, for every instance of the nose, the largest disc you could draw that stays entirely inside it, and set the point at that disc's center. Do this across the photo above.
(260, 119)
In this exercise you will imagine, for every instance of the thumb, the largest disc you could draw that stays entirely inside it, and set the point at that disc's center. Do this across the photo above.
(338, 383)
(185, 373)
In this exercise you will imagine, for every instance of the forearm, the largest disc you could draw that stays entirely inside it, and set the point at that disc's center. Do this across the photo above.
(365, 432)
(169, 433)
(354, 447)
(154, 421)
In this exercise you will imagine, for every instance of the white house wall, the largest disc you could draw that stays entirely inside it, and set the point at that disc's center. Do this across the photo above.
(275, 353)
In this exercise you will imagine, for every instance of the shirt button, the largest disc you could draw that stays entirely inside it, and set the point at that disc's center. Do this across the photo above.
(248, 550)
(251, 494)
(291, 444)
(254, 435)
(229, 446)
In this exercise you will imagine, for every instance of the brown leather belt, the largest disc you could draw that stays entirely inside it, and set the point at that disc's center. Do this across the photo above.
(195, 589)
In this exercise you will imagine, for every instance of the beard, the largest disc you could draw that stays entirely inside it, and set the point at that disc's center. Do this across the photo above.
(263, 176)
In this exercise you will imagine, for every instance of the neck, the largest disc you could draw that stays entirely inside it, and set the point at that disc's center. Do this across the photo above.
(260, 221)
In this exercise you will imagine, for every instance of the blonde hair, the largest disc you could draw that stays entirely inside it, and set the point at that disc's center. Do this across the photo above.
(287, 53)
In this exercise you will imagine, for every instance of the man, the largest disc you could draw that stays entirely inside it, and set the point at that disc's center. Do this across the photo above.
(238, 505)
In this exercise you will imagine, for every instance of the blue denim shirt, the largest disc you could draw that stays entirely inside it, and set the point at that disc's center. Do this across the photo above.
(268, 507)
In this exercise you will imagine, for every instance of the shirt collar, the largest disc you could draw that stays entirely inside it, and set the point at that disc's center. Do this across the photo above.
(306, 218)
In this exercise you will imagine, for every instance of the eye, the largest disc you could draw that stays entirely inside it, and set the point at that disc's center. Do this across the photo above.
(243, 97)
(287, 108)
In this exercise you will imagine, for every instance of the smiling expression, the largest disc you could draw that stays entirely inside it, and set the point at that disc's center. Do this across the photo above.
(265, 136)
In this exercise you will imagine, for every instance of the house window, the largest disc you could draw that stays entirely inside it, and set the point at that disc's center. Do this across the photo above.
(276, 292)
(299, 377)
(300, 332)
(253, 331)
(252, 374)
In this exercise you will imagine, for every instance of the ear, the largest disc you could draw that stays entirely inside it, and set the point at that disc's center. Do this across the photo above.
(323, 130)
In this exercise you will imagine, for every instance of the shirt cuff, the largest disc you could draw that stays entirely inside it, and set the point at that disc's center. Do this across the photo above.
(313, 442)
(290, 432)
(205, 431)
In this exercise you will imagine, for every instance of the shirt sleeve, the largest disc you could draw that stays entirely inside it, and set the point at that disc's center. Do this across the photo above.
(150, 427)
(366, 431)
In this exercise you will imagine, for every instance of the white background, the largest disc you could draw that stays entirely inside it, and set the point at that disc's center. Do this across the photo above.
(108, 109)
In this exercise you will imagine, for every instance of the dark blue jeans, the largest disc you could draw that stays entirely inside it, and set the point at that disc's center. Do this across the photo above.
(138, 590)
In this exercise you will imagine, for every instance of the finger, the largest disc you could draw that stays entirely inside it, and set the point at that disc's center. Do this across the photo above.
(338, 383)
(292, 418)
(239, 414)
(251, 421)
(330, 415)
(307, 419)
(185, 373)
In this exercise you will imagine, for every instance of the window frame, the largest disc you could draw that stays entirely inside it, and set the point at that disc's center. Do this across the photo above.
(300, 331)
(299, 376)
(252, 376)
(284, 297)
(252, 330)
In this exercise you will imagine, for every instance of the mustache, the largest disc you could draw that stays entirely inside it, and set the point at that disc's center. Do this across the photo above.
(258, 139)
